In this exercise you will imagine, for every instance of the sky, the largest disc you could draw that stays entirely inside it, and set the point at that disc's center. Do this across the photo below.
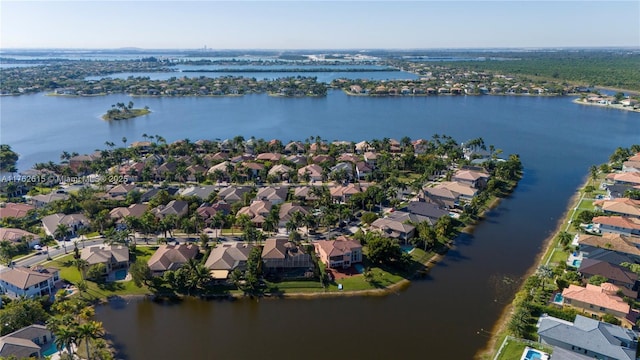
(145, 24)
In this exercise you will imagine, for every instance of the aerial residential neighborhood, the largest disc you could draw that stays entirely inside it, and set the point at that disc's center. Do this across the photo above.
(253, 217)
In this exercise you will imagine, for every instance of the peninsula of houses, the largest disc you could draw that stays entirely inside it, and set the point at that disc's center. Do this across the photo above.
(242, 217)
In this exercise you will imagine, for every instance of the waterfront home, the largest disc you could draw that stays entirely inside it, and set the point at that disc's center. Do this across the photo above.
(630, 178)
(313, 172)
(615, 274)
(282, 254)
(631, 166)
(227, 257)
(112, 256)
(81, 164)
(178, 208)
(171, 257)
(621, 206)
(589, 337)
(294, 147)
(617, 225)
(593, 246)
(339, 253)
(14, 210)
(18, 282)
(449, 194)
(409, 218)
(616, 191)
(597, 300)
(27, 342)
(73, 221)
(476, 179)
(393, 228)
(426, 209)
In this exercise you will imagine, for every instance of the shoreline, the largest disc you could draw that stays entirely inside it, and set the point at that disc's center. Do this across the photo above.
(547, 246)
(607, 106)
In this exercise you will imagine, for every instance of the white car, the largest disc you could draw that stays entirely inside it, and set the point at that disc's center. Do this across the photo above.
(37, 247)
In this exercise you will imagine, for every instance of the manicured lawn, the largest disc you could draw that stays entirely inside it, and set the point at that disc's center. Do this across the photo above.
(559, 256)
(71, 274)
(514, 349)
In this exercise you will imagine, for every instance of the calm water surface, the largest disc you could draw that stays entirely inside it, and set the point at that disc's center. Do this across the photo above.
(438, 317)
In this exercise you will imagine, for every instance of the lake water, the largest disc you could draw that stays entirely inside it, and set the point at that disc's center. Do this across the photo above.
(438, 317)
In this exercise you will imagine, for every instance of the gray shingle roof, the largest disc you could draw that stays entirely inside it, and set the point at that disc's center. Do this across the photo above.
(596, 336)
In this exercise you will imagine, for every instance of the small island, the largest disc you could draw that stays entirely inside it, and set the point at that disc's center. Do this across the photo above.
(120, 111)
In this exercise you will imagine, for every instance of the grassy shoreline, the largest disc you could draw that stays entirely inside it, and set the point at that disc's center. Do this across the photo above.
(499, 329)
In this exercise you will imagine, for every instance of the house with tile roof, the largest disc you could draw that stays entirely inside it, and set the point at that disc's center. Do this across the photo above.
(27, 342)
(14, 210)
(178, 208)
(476, 179)
(226, 258)
(287, 210)
(16, 282)
(280, 253)
(232, 194)
(274, 194)
(171, 257)
(339, 253)
(596, 300)
(621, 206)
(592, 246)
(394, 228)
(73, 221)
(257, 211)
(313, 171)
(112, 256)
(617, 275)
(589, 337)
(14, 235)
(628, 226)
(630, 178)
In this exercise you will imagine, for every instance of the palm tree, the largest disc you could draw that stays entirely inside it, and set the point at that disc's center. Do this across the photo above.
(81, 265)
(65, 338)
(544, 272)
(90, 330)
(564, 238)
(61, 232)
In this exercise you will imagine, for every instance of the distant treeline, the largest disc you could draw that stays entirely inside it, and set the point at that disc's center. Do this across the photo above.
(618, 69)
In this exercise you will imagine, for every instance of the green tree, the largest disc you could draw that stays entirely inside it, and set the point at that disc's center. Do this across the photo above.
(544, 272)
(88, 332)
(140, 273)
(381, 250)
(597, 280)
(20, 313)
(8, 159)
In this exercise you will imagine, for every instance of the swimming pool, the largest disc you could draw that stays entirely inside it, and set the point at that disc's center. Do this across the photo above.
(359, 268)
(407, 248)
(558, 298)
(49, 349)
(120, 274)
(533, 354)
(576, 263)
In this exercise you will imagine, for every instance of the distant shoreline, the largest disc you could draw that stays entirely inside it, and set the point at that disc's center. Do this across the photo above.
(608, 106)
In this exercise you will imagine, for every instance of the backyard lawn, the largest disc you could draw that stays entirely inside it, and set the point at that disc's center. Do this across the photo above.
(70, 273)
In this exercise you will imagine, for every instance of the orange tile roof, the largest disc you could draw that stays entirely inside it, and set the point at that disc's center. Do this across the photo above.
(600, 296)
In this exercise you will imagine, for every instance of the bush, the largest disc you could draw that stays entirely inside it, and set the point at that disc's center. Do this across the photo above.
(608, 318)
